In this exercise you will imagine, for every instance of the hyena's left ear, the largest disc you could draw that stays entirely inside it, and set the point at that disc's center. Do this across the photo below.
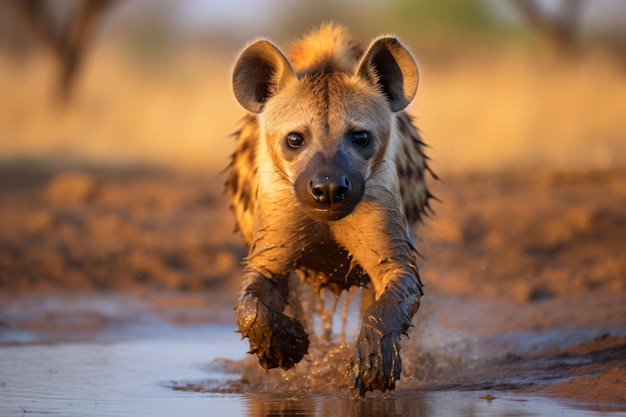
(260, 72)
(390, 65)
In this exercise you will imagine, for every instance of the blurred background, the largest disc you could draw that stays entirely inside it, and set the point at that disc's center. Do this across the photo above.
(116, 119)
(116, 123)
(511, 84)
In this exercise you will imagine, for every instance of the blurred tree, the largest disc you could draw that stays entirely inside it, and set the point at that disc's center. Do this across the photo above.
(443, 17)
(67, 41)
(559, 28)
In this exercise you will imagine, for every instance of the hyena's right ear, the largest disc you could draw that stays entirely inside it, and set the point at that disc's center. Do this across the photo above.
(391, 66)
(260, 72)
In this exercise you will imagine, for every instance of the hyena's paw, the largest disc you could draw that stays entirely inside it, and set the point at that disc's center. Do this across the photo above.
(277, 340)
(376, 364)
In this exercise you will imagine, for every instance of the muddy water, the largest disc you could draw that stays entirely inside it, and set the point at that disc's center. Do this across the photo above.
(140, 377)
(120, 378)
(149, 366)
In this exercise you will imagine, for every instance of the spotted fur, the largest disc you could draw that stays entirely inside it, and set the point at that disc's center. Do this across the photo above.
(329, 92)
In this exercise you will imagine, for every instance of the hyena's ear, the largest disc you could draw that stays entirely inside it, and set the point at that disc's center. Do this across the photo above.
(390, 65)
(260, 72)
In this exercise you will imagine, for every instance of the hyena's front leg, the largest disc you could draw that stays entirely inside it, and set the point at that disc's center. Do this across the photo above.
(382, 244)
(376, 363)
(277, 340)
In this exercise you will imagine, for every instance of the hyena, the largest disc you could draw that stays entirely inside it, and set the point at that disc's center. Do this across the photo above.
(327, 180)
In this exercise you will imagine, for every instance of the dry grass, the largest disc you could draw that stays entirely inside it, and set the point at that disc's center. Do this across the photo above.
(514, 111)
(177, 114)
(479, 111)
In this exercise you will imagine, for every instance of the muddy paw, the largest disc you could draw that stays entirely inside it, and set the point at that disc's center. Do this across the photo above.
(376, 364)
(277, 340)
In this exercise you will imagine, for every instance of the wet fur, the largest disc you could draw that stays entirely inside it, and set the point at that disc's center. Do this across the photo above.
(326, 87)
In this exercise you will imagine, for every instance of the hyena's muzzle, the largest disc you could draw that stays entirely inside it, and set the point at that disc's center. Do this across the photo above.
(329, 188)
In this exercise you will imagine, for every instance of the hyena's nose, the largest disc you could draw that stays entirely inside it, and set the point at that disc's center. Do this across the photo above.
(326, 189)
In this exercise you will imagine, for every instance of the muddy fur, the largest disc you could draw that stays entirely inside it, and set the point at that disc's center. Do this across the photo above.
(327, 179)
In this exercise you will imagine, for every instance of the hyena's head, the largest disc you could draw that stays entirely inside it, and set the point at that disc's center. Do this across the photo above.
(325, 117)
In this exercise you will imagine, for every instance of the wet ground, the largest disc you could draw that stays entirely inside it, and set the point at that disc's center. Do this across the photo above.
(117, 355)
(135, 378)
(116, 295)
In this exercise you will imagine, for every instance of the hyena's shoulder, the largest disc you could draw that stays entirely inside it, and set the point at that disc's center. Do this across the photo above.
(411, 166)
(242, 182)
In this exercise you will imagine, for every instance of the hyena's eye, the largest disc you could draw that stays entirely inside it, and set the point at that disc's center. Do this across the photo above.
(360, 138)
(294, 140)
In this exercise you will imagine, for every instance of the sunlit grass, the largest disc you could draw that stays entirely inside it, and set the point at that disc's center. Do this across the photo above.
(482, 110)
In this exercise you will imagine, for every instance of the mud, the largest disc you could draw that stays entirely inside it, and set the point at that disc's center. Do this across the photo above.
(117, 288)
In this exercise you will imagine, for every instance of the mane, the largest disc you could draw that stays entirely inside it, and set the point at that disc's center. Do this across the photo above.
(330, 44)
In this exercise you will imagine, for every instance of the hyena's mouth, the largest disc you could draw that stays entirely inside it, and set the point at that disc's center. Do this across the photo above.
(331, 213)
(330, 197)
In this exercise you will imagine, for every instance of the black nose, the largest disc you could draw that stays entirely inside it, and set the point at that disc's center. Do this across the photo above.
(326, 189)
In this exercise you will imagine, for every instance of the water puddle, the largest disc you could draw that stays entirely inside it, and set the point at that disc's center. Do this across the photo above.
(120, 359)
(171, 376)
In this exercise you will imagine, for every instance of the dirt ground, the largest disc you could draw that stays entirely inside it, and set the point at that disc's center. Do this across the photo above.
(506, 253)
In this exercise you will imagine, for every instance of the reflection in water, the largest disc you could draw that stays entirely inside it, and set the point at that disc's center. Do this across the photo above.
(414, 404)
(259, 407)
(328, 406)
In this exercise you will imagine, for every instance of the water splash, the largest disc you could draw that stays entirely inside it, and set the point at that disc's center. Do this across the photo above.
(331, 322)
(429, 355)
